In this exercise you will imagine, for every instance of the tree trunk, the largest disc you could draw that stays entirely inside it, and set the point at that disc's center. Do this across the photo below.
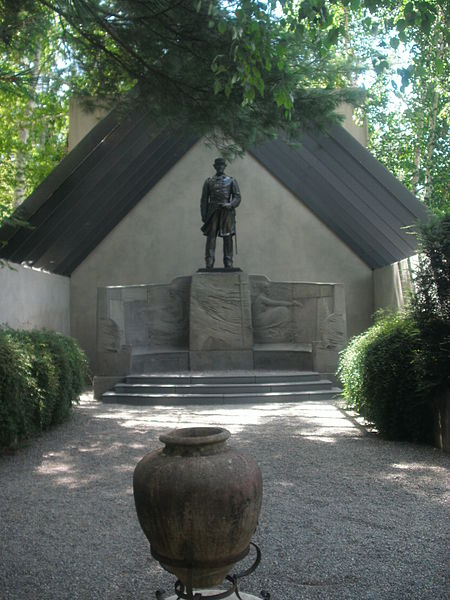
(418, 155)
(432, 124)
(430, 145)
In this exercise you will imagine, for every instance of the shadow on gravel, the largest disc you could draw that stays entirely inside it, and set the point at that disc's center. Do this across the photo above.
(344, 515)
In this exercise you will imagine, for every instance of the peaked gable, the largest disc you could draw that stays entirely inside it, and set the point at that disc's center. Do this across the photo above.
(119, 161)
(350, 191)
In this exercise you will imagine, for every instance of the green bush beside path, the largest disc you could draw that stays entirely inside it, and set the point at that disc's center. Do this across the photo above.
(394, 373)
(42, 374)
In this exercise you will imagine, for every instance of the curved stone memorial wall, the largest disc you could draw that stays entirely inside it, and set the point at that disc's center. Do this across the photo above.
(216, 320)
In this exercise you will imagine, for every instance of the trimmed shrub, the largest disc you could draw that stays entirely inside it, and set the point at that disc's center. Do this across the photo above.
(393, 372)
(430, 305)
(381, 380)
(18, 392)
(41, 376)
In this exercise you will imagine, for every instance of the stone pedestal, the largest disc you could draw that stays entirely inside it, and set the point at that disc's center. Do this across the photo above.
(220, 322)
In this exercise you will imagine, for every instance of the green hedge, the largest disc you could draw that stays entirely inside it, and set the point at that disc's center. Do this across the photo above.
(41, 375)
(393, 372)
(381, 379)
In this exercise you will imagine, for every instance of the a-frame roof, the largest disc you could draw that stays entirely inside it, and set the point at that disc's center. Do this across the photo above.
(350, 191)
(119, 161)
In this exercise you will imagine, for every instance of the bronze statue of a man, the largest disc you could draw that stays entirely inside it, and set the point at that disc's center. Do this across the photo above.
(220, 197)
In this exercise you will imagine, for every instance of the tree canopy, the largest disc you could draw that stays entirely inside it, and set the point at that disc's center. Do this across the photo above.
(236, 72)
(407, 107)
(234, 68)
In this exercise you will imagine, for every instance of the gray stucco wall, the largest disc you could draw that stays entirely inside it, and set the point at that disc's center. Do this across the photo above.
(160, 239)
(32, 299)
(82, 121)
(393, 284)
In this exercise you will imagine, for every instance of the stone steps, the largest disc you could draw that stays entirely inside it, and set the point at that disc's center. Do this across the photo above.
(225, 378)
(220, 388)
(232, 388)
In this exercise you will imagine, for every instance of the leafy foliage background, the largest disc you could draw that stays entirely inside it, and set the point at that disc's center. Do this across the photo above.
(236, 72)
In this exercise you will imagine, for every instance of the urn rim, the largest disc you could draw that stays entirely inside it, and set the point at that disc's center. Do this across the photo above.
(195, 436)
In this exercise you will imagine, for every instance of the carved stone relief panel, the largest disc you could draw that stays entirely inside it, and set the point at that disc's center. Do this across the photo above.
(167, 315)
(332, 322)
(110, 322)
(113, 355)
(332, 333)
(108, 336)
(274, 310)
(144, 316)
(220, 317)
(286, 312)
(136, 322)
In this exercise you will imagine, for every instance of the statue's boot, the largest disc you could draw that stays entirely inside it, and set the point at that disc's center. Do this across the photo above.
(228, 252)
(210, 253)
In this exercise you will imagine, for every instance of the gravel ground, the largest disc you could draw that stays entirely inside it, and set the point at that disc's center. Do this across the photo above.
(345, 514)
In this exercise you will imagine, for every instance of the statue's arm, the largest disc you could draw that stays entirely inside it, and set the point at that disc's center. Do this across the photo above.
(235, 194)
(204, 200)
(272, 302)
(275, 302)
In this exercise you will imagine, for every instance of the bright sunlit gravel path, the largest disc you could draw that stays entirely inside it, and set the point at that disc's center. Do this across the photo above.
(345, 515)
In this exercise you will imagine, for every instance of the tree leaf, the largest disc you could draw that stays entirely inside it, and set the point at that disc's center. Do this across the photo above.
(394, 42)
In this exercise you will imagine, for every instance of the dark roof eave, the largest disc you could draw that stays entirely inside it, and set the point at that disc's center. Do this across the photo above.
(120, 160)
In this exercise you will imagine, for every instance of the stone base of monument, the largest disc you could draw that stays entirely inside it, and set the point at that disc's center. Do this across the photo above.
(218, 320)
(104, 384)
(294, 357)
(221, 360)
(145, 360)
(218, 387)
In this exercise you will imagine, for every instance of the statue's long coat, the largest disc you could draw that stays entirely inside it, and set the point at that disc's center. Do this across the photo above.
(219, 190)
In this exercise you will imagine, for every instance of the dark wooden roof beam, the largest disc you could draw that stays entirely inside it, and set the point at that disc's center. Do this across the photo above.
(362, 202)
(126, 198)
(411, 208)
(73, 199)
(316, 194)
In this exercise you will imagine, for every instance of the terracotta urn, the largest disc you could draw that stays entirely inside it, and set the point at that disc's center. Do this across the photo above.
(198, 502)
